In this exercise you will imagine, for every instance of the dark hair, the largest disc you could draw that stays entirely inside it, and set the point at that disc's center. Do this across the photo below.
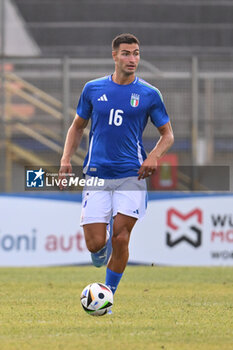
(125, 38)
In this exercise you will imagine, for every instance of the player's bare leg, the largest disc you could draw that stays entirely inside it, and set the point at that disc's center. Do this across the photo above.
(122, 228)
(95, 237)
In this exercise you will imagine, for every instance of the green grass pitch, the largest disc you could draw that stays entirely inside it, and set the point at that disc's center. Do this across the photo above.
(160, 308)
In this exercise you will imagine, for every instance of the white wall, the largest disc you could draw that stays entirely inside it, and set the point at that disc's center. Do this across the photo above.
(189, 231)
(18, 41)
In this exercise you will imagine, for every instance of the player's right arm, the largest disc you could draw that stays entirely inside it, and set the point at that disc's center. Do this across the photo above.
(73, 139)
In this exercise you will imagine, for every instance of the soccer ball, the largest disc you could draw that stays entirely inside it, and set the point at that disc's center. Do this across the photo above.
(96, 299)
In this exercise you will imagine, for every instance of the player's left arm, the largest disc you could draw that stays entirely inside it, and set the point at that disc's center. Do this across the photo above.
(166, 140)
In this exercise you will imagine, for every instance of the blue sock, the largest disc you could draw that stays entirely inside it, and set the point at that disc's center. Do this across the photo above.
(112, 279)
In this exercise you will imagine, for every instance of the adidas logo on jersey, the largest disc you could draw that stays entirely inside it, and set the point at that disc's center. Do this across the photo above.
(103, 98)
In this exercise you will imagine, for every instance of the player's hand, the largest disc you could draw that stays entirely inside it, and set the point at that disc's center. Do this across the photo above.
(147, 168)
(65, 168)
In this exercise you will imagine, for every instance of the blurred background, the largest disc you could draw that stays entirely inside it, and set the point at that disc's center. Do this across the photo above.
(50, 48)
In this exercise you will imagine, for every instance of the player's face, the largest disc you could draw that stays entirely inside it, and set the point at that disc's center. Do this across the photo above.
(127, 58)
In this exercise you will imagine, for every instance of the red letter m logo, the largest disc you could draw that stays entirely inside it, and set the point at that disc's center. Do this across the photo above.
(179, 231)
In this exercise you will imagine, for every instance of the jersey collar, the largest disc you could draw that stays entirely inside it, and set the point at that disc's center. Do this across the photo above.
(134, 82)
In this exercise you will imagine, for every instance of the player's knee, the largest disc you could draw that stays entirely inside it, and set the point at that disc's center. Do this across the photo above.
(121, 239)
(95, 245)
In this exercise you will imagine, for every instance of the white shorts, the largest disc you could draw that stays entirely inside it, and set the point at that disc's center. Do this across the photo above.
(101, 205)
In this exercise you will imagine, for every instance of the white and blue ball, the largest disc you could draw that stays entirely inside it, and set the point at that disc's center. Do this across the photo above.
(96, 299)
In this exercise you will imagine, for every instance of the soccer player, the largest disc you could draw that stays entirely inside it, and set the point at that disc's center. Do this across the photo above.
(119, 106)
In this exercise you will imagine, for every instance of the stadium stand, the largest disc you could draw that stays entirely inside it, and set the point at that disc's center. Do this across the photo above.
(70, 27)
(42, 91)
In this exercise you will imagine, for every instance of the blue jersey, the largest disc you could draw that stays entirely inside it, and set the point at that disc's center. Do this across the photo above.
(119, 114)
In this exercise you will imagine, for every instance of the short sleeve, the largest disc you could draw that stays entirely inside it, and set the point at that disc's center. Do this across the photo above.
(157, 112)
(84, 107)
